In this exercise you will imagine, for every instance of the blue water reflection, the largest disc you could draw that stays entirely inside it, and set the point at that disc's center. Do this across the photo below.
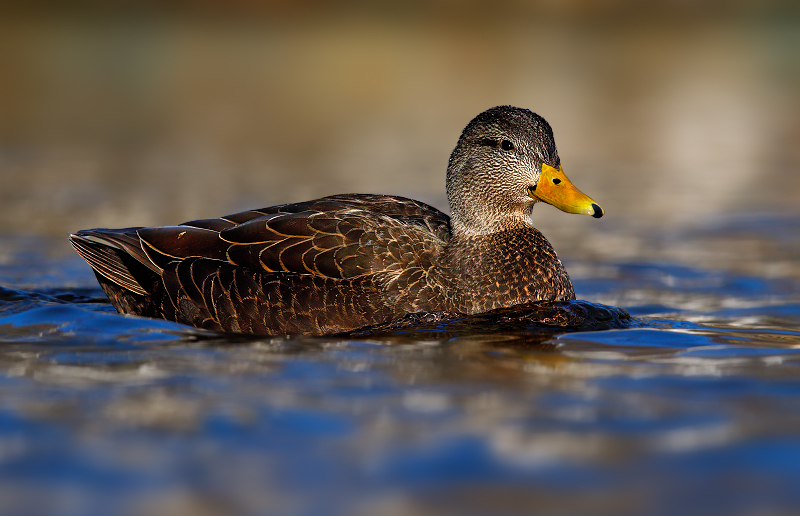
(689, 408)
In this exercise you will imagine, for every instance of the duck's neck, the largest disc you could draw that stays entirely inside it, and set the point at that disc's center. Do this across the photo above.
(505, 268)
(466, 228)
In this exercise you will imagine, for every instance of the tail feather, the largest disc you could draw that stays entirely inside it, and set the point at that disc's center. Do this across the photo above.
(117, 255)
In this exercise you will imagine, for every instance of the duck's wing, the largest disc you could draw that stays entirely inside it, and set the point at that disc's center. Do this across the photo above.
(335, 237)
(404, 209)
(363, 251)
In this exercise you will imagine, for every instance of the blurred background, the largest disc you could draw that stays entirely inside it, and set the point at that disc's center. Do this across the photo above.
(125, 113)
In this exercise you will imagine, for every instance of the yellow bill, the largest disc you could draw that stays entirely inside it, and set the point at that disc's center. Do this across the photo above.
(554, 188)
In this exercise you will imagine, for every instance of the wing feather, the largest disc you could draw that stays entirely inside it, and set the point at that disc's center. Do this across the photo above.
(166, 244)
(332, 264)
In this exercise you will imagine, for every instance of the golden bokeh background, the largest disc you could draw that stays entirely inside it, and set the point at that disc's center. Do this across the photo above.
(153, 113)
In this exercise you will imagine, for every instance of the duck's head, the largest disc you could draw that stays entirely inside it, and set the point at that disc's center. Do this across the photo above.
(505, 162)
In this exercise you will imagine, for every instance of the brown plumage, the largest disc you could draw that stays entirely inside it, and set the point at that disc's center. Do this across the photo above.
(349, 261)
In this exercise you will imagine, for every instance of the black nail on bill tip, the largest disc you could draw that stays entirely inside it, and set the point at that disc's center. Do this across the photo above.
(598, 211)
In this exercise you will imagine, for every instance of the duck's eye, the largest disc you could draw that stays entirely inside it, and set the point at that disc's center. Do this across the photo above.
(556, 180)
(506, 145)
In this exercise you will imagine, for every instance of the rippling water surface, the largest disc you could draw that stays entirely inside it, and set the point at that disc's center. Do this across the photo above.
(690, 407)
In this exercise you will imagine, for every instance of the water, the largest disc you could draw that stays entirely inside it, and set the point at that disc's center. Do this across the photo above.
(690, 407)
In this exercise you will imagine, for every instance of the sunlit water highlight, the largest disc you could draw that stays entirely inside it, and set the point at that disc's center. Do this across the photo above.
(689, 407)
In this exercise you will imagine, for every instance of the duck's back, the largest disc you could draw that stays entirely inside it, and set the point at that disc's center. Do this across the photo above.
(324, 266)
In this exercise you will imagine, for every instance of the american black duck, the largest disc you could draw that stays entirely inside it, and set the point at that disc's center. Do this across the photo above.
(349, 261)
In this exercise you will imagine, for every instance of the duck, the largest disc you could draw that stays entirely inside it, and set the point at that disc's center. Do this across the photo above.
(344, 262)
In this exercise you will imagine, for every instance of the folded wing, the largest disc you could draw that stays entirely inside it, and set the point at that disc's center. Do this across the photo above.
(281, 269)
